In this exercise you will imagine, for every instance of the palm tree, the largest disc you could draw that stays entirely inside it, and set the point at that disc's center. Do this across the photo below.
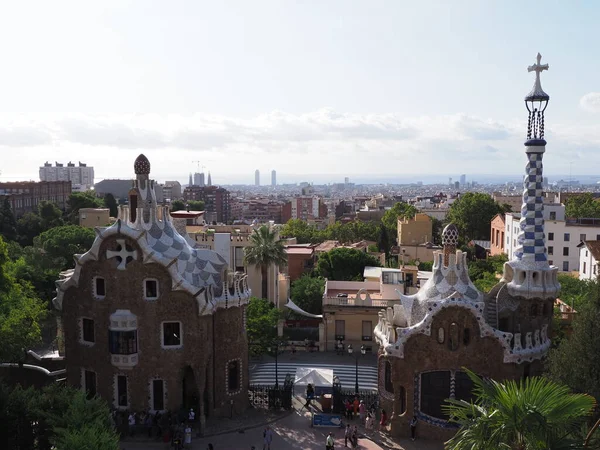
(535, 414)
(264, 251)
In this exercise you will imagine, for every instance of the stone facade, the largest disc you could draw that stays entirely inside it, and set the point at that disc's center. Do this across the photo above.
(148, 314)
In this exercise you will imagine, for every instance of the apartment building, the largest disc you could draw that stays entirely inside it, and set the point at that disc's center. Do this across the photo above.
(217, 204)
(80, 175)
(24, 196)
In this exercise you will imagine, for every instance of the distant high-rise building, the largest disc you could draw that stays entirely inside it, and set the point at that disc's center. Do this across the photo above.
(191, 182)
(273, 178)
(346, 180)
(199, 179)
(450, 181)
(209, 181)
(463, 179)
(80, 176)
(257, 177)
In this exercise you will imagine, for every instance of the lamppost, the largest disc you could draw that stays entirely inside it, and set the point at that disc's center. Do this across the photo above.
(363, 352)
(275, 348)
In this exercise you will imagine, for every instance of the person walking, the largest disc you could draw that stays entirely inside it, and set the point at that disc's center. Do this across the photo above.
(355, 406)
(329, 442)
(191, 415)
(362, 411)
(310, 395)
(347, 435)
(354, 437)
(187, 436)
(383, 421)
(413, 428)
(267, 438)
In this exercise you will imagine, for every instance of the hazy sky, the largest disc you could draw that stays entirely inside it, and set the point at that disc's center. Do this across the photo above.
(304, 87)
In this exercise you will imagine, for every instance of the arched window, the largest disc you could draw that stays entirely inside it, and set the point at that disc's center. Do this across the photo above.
(388, 385)
(453, 337)
(441, 335)
(402, 400)
(466, 336)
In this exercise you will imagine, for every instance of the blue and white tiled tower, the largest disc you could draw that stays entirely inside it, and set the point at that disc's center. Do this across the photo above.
(529, 275)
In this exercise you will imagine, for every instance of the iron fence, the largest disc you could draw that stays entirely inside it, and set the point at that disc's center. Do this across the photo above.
(270, 396)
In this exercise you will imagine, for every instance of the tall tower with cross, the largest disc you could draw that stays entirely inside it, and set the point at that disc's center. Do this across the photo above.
(529, 275)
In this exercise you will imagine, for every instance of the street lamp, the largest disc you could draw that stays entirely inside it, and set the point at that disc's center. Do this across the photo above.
(363, 351)
(275, 347)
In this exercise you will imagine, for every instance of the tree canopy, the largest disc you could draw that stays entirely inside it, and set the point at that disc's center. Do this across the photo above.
(265, 250)
(261, 324)
(195, 205)
(20, 312)
(343, 232)
(400, 210)
(533, 414)
(177, 205)
(63, 242)
(307, 293)
(582, 206)
(344, 264)
(472, 213)
(8, 224)
(78, 200)
(111, 203)
(575, 362)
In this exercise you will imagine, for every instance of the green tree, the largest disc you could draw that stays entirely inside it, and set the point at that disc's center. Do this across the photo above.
(383, 240)
(582, 206)
(8, 224)
(264, 251)
(28, 227)
(400, 210)
(303, 232)
(437, 227)
(344, 264)
(534, 414)
(261, 324)
(177, 205)
(20, 312)
(195, 205)
(307, 293)
(34, 266)
(62, 243)
(472, 214)
(50, 215)
(111, 203)
(78, 200)
(575, 362)
(574, 291)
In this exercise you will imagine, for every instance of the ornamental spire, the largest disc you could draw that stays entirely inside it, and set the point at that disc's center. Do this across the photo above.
(536, 102)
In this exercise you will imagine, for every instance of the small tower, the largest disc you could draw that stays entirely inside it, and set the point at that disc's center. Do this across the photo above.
(209, 180)
(529, 275)
(141, 197)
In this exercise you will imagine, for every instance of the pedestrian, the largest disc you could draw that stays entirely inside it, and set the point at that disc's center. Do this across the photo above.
(354, 437)
(329, 442)
(267, 438)
(187, 436)
(362, 410)
(413, 428)
(355, 405)
(383, 421)
(131, 422)
(293, 349)
(347, 435)
(310, 395)
(191, 415)
(348, 407)
(369, 422)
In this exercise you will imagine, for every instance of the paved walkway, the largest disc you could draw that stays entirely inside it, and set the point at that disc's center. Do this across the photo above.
(291, 432)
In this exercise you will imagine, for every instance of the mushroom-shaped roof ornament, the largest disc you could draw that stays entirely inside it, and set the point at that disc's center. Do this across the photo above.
(450, 235)
(141, 166)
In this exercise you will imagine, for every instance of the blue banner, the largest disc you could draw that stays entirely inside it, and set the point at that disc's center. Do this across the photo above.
(327, 420)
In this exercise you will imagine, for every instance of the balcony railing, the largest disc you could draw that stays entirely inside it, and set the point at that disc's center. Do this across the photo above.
(354, 302)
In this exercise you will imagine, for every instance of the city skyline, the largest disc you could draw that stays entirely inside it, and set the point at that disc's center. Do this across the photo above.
(347, 98)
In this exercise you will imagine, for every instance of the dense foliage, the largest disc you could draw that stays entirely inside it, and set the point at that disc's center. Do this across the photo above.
(261, 324)
(344, 264)
(307, 293)
(472, 213)
(485, 273)
(343, 232)
(61, 243)
(533, 414)
(78, 200)
(582, 206)
(55, 417)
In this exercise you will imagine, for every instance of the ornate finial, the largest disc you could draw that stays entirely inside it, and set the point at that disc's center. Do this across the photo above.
(536, 102)
(141, 166)
(537, 93)
(449, 241)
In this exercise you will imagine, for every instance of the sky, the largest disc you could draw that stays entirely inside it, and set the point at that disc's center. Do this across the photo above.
(312, 89)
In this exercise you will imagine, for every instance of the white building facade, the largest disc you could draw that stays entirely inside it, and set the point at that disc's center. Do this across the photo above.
(81, 176)
(563, 236)
(589, 255)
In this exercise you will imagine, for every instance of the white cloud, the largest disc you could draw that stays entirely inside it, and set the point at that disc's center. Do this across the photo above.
(590, 102)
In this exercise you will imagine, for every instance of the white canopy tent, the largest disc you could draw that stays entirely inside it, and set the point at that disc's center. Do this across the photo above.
(291, 305)
(321, 380)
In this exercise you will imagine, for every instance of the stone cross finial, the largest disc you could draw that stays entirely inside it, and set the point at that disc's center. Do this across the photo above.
(538, 68)
(122, 254)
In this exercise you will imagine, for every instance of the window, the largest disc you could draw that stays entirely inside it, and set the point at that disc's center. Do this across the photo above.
(598, 237)
(550, 236)
(565, 251)
(122, 400)
(551, 250)
(239, 258)
(565, 266)
(89, 380)
(586, 253)
(367, 330)
(567, 237)
(402, 398)
(584, 267)
(340, 330)
(435, 389)
(550, 262)
(122, 342)
(151, 289)
(466, 336)
(389, 386)
(582, 237)
(453, 337)
(441, 335)
(463, 387)
(233, 375)
(171, 334)
(99, 287)
(158, 395)
(552, 215)
(87, 330)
